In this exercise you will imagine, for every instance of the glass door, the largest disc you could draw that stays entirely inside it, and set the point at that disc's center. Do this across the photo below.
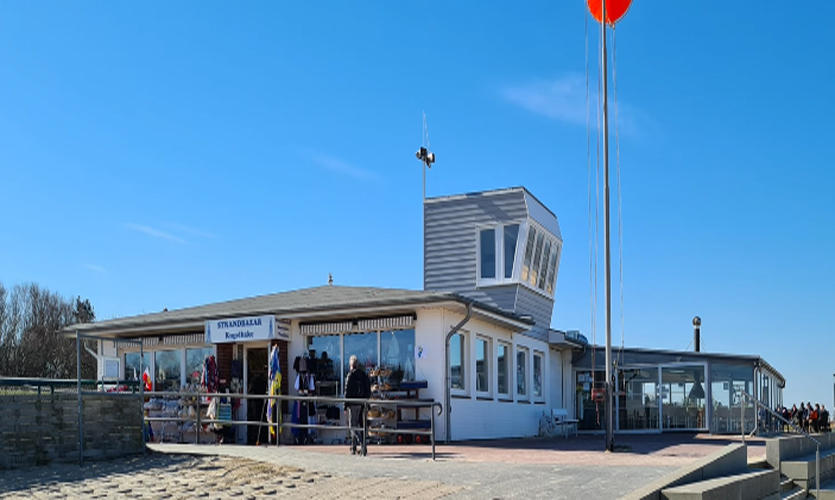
(637, 399)
(255, 371)
(682, 395)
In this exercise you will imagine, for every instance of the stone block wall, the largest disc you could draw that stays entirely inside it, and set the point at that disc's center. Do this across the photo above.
(39, 430)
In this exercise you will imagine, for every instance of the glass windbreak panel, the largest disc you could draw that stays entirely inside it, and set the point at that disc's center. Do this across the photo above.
(543, 271)
(481, 367)
(132, 369)
(167, 365)
(725, 379)
(522, 372)
(488, 253)
(456, 361)
(537, 375)
(511, 234)
(364, 347)
(683, 397)
(638, 399)
(501, 368)
(397, 353)
(552, 269)
(591, 403)
(194, 364)
(537, 255)
(526, 264)
(327, 350)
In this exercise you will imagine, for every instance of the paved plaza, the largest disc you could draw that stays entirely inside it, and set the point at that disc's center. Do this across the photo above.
(520, 468)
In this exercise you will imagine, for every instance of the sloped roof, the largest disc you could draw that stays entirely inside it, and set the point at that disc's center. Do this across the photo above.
(296, 302)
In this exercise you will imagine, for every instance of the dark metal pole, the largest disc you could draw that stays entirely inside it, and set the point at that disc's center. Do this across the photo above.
(697, 337)
(80, 408)
(610, 396)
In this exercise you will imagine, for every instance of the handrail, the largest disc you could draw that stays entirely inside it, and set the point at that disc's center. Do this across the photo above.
(791, 424)
(315, 399)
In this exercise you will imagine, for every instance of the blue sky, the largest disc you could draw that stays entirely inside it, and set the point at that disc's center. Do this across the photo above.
(167, 155)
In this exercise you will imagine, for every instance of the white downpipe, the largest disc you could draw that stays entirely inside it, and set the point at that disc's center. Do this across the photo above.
(448, 384)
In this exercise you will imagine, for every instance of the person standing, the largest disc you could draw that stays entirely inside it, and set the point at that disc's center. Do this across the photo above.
(357, 386)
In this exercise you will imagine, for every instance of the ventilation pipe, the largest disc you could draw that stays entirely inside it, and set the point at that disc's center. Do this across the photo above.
(447, 385)
(697, 327)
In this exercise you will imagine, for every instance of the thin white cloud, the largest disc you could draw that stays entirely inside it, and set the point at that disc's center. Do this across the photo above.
(96, 268)
(155, 233)
(192, 231)
(564, 99)
(340, 167)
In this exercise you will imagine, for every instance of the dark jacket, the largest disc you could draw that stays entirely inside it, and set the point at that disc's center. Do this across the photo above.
(357, 385)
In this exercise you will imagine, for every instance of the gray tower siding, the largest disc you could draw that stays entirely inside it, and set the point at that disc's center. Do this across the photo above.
(450, 249)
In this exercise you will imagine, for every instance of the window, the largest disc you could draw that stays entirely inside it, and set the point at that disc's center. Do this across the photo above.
(482, 366)
(456, 361)
(537, 255)
(552, 270)
(397, 352)
(521, 371)
(132, 368)
(543, 271)
(167, 365)
(327, 349)
(537, 375)
(511, 234)
(364, 347)
(487, 247)
(194, 363)
(501, 368)
(526, 264)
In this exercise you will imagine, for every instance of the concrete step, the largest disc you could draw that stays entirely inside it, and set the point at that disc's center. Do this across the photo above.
(786, 484)
(802, 470)
(756, 485)
(827, 491)
(797, 493)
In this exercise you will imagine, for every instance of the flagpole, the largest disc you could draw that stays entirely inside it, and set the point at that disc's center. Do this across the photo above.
(610, 399)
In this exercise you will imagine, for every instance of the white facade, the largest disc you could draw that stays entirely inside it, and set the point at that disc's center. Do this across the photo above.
(480, 414)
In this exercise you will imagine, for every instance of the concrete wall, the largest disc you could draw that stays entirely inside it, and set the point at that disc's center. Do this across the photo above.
(790, 447)
(38, 430)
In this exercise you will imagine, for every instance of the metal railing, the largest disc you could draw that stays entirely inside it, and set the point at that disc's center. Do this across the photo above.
(757, 406)
(199, 420)
(38, 386)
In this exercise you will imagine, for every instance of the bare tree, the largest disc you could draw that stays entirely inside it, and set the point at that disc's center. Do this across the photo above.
(30, 345)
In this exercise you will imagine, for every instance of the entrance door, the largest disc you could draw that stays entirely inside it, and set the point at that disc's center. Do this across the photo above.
(256, 384)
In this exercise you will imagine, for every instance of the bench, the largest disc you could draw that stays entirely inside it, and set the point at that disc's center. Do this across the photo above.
(561, 421)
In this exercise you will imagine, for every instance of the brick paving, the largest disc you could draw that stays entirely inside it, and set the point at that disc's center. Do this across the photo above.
(575, 467)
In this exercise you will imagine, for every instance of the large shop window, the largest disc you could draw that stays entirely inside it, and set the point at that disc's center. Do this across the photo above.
(522, 372)
(132, 368)
(456, 362)
(482, 365)
(394, 350)
(537, 375)
(167, 364)
(502, 362)
(194, 363)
